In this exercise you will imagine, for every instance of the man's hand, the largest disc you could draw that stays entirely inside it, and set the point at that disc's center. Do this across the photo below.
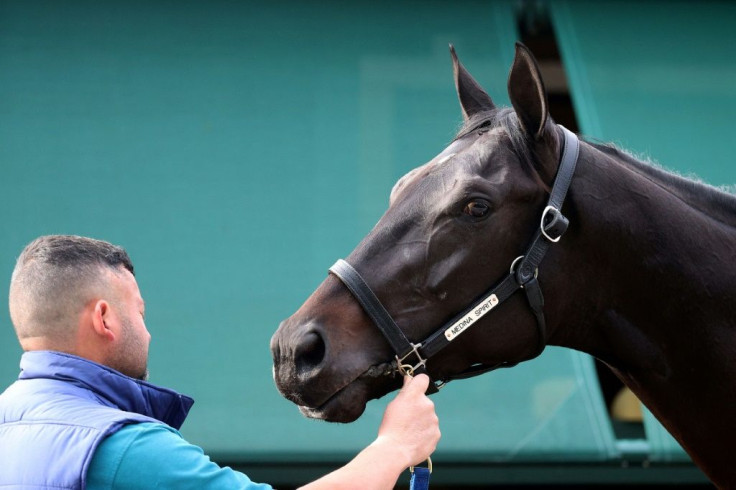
(408, 435)
(410, 422)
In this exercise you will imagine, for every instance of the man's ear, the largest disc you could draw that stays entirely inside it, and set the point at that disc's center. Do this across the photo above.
(102, 320)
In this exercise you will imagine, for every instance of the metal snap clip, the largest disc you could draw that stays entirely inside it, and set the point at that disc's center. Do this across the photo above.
(429, 466)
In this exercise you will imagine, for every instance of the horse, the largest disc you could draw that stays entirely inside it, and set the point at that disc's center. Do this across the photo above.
(638, 270)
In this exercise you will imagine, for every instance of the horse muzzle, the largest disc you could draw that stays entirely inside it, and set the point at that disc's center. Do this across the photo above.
(326, 382)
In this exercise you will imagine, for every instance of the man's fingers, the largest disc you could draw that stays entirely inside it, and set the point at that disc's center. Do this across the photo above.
(418, 383)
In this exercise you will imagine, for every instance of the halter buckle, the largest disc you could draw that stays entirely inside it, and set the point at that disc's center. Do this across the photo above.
(407, 369)
(557, 224)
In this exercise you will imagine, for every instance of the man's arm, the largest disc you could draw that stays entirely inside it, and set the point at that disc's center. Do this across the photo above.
(408, 434)
(149, 455)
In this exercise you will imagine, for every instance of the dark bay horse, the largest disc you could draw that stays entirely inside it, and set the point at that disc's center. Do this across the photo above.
(644, 277)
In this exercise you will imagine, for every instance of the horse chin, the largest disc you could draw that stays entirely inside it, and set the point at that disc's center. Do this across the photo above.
(349, 402)
(345, 406)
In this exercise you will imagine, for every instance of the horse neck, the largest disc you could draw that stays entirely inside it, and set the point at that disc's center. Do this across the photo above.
(648, 287)
(650, 249)
(711, 202)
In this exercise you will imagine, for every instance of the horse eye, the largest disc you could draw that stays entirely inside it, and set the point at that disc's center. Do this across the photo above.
(476, 209)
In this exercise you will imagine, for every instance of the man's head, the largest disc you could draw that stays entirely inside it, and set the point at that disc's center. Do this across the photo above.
(79, 295)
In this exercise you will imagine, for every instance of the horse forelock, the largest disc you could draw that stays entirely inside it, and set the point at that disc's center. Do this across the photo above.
(506, 119)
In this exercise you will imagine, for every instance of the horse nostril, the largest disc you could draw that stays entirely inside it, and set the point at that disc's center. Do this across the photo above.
(310, 352)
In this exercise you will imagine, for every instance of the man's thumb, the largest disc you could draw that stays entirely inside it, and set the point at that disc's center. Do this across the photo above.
(418, 383)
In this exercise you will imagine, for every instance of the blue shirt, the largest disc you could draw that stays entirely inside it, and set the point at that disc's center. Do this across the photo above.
(149, 455)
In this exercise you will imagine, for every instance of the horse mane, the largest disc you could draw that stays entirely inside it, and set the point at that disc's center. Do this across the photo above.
(715, 202)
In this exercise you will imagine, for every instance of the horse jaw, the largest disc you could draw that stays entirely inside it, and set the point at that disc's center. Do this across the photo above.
(349, 402)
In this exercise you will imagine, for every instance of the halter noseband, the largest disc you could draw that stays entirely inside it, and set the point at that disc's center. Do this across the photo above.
(522, 275)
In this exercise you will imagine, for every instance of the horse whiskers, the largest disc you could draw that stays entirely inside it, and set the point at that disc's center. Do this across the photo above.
(385, 369)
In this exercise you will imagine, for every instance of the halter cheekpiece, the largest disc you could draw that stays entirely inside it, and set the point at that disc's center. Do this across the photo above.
(412, 357)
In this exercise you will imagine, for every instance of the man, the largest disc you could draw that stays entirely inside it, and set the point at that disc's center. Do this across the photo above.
(81, 414)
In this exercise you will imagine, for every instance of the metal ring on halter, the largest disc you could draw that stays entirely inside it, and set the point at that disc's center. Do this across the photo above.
(429, 466)
(407, 369)
(440, 384)
(513, 266)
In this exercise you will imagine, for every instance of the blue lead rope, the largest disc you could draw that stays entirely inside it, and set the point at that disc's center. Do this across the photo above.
(419, 478)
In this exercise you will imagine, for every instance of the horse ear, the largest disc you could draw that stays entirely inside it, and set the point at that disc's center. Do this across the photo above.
(473, 99)
(527, 92)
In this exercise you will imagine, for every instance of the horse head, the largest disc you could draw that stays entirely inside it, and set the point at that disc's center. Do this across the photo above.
(453, 228)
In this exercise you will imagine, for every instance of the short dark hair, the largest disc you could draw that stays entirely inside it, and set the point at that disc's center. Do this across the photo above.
(75, 251)
(54, 277)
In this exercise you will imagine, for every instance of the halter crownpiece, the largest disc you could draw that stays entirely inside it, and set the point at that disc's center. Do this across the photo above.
(411, 358)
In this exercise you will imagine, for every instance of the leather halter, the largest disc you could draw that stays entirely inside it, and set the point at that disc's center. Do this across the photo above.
(523, 275)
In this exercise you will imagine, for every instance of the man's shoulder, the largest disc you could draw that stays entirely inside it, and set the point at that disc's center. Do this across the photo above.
(154, 454)
(141, 433)
(45, 401)
(133, 439)
(133, 445)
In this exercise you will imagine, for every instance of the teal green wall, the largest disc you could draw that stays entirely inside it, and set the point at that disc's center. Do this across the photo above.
(236, 149)
(655, 77)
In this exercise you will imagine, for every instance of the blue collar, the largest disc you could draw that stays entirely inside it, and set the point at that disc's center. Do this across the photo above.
(111, 387)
